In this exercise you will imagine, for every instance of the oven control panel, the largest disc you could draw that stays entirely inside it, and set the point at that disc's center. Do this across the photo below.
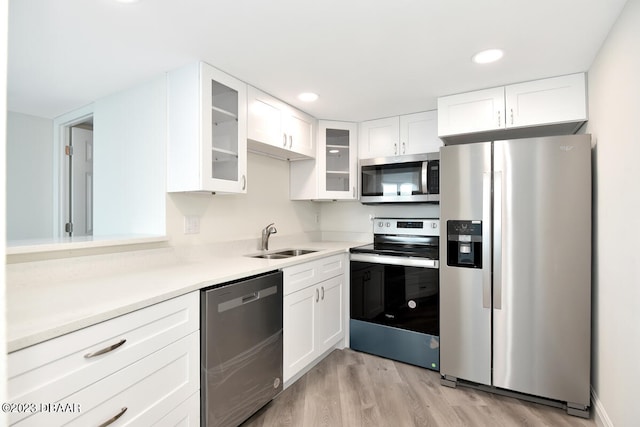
(407, 226)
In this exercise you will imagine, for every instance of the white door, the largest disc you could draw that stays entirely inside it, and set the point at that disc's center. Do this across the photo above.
(80, 208)
(478, 111)
(299, 341)
(338, 160)
(379, 138)
(419, 133)
(329, 322)
(299, 132)
(554, 100)
(264, 119)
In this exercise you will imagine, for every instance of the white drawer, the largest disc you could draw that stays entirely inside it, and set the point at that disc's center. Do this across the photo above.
(149, 389)
(57, 368)
(303, 275)
(187, 414)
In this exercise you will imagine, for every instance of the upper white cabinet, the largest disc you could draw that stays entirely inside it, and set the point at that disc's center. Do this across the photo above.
(207, 130)
(555, 105)
(333, 174)
(379, 138)
(394, 136)
(277, 129)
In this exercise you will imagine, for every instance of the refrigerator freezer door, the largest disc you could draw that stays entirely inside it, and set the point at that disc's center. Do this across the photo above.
(465, 303)
(542, 262)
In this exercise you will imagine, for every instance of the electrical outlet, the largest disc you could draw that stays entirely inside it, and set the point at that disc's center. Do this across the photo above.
(191, 224)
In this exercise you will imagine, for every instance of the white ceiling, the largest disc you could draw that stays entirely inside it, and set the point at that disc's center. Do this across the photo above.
(365, 58)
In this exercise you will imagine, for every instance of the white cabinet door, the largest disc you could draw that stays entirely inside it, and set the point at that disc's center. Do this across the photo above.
(299, 132)
(277, 129)
(224, 118)
(379, 138)
(419, 133)
(333, 175)
(554, 100)
(299, 341)
(337, 160)
(477, 111)
(207, 115)
(330, 321)
(265, 119)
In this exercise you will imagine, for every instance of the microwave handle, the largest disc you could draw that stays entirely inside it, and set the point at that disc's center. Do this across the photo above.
(425, 168)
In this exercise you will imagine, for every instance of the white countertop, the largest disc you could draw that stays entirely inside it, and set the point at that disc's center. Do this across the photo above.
(47, 307)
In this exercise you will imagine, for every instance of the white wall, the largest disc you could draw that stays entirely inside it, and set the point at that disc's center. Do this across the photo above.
(243, 216)
(614, 103)
(29, 189)
(351, 220)
(129, 161)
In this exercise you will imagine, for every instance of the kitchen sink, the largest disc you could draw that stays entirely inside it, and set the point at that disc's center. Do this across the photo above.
(285, 253)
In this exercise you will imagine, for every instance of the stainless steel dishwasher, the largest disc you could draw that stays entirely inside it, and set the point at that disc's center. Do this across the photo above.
(241, 348)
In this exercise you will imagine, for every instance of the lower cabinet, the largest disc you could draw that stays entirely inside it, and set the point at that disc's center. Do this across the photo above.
(141, 368)
(313, 318)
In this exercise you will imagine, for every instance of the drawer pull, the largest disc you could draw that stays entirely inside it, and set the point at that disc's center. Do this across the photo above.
(114, 418)
(105, 350)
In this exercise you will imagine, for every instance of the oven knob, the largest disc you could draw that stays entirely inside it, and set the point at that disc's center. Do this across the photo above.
(388, 224)
(380, 224)
(434, 225)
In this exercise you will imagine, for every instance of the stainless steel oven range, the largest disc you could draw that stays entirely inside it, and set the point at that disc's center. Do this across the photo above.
(395, 292)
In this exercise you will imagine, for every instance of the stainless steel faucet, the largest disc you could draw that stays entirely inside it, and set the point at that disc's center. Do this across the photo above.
(266, 232)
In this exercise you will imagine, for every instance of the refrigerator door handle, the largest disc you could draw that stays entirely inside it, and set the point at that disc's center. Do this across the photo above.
(486, 240)
(497, 242)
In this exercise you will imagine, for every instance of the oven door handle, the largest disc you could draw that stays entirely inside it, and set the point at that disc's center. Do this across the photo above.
(396, 260)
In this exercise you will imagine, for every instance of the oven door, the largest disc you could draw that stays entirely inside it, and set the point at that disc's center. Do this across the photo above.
(396, 291)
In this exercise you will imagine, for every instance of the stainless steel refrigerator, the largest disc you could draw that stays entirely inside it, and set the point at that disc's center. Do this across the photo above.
(515, 267)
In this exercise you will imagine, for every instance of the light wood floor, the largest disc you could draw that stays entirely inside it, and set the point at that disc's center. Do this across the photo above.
(352, 389)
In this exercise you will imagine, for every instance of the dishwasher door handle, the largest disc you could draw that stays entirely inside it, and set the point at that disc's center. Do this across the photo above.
(246, 299)
(251, 297)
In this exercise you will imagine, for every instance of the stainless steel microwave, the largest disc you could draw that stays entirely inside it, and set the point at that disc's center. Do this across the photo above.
(400, 179)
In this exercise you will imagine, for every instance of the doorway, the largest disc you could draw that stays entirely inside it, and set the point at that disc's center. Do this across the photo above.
(79, 164)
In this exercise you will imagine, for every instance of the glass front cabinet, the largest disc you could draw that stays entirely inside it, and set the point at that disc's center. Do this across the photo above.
(333, 175)
(207, 138)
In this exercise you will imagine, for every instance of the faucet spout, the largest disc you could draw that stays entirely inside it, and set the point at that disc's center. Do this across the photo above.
(266, 233)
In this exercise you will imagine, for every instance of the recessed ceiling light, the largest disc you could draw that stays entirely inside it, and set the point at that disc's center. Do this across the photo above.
(487, 56)
(308, 96)
(127, 1)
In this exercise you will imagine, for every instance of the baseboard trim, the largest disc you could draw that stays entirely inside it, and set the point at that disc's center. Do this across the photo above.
(599, 414)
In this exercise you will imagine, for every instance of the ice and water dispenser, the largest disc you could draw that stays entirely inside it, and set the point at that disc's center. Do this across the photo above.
(464, 244)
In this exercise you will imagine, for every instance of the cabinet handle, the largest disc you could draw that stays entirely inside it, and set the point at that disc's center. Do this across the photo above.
(105, 350)
(404, 148)
(114, 418)
(395, 148)
(317, 295)
(499, 118)
(322, 297)
(290, 141)
(512, 116)
(244, 182)
(354, 192)
(284, 140)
